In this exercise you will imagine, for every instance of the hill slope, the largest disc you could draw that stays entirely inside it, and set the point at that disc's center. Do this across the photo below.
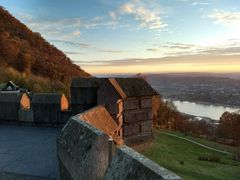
(182, 157)
(31, 55)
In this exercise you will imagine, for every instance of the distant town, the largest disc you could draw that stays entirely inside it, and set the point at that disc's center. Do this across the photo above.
(204, 89)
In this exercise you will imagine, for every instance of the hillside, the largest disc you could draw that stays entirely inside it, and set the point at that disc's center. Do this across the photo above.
(30, 55)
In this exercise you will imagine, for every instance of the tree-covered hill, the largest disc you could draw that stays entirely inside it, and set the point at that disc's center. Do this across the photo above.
(30, 56)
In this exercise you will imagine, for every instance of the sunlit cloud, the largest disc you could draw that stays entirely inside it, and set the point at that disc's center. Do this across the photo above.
(196, 3)
(148, 18)
(76, 33)
(187, 63)
(226, 18)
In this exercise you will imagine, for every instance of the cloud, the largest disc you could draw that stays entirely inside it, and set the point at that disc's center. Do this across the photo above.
(170, 60)
(229, 47)
(148, 17)
(78, 44)
(73, 53)
(196, 3)
(223, 51)
(53, 27)
(85, 46)
(153, 49)
(110, 51)
(76, 33)
(67, 27)
(226, 18)
(113, 15)
(172, 45)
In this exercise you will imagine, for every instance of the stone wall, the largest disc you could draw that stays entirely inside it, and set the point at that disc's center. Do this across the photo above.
(83, 98)
(137, 120)
(129, 164)
(25, 115)
(84, 153)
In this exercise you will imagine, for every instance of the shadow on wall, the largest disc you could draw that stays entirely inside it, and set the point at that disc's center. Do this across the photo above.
(84, 152)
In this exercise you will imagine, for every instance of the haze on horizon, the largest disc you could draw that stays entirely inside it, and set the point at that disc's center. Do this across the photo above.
(138, 36)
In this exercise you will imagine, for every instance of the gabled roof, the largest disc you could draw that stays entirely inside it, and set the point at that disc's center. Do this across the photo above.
(12, 84)
(4, 86)
(46, 98)
(132, 87)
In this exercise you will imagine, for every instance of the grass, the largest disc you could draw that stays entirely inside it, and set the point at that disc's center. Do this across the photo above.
(170, 152)
(212, 144)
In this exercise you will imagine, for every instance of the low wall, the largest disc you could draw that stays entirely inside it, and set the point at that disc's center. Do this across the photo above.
(25, 115)
(83, 153)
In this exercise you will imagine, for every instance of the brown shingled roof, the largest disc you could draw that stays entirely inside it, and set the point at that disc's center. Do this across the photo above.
(102, 120)
(132, 87)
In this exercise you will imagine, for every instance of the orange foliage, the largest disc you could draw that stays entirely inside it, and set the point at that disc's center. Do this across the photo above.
(29, 53)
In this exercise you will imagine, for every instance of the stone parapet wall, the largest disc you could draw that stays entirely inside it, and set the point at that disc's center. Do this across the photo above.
(129, 164)
(84, 153)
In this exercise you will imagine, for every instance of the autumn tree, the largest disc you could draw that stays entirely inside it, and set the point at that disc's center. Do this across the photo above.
(229, 126)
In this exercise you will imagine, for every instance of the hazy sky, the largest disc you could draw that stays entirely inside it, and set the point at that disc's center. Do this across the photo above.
(131, 36)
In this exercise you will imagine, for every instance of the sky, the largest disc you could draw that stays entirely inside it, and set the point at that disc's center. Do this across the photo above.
(138, 36)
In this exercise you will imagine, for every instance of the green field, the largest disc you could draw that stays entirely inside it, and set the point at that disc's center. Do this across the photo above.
(181, 157)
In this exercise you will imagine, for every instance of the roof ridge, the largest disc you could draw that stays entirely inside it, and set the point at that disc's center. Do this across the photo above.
(116, 85)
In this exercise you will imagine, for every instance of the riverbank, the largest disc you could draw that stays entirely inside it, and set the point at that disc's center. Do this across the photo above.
(203, 103)
(201, 110)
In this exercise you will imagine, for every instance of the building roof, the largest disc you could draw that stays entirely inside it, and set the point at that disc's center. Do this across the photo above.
(46, 98)
(102, 120)
(12, 84)
(132, 87)
(4, 86)
(87, 82)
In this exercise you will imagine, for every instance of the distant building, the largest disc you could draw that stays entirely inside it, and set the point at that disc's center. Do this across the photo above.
(10, 86)
(11, 103)
(47, 107)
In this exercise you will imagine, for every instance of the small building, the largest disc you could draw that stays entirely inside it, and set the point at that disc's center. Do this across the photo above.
(129, 101)
(84, 93)
(11, 103)
(10, 86)
(47, 107)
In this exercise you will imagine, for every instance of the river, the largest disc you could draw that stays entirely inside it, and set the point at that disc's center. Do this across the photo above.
(202, 110)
